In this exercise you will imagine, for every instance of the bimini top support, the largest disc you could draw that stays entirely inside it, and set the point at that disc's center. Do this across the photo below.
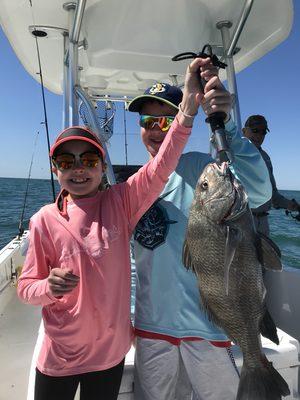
(239, 27)
(71, 80)
(74, 37)
(76, 11)
(224, 26)
(229, 46)
(93, 123)
(66, 117)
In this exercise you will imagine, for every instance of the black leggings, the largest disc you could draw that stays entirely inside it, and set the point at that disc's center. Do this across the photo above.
(100, 385)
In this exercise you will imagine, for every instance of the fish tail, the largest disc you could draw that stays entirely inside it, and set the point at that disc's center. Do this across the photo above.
(261, 383)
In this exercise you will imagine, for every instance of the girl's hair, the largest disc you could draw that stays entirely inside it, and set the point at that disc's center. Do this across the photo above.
(104, 185)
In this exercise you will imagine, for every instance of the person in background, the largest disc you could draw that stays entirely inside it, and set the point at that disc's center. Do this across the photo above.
(256, 128)
(178, 349)
(77, 266)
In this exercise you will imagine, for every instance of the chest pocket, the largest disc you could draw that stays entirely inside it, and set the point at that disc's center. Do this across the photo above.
(98, 239)
(93, 241)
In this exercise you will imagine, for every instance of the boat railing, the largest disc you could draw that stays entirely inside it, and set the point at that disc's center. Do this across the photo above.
(11, 260)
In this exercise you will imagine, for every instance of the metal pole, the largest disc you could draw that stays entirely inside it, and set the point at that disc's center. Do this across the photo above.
(232, 85)
(94, 124)
(125, 136)
(76, 11)
(66, 84)
(229, 47)
(73, 75)
(238, 30)
(74, 37)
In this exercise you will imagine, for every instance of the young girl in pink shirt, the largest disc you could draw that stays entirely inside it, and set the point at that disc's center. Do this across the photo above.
(77, 266)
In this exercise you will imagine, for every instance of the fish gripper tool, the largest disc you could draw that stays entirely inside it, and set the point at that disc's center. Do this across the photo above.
(216, 120)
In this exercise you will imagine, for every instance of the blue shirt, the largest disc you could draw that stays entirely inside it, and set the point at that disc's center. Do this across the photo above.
(167, 295)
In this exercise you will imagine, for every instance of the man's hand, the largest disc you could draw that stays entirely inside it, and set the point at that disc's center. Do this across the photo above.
(216, 97)
(62, 281)
(293, 205)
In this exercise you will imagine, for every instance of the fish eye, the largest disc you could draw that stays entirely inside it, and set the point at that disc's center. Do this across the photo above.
(204, 185)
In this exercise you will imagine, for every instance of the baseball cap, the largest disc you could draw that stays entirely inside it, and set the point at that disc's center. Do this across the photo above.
(77, 133)
(257, 120)
(163, 92)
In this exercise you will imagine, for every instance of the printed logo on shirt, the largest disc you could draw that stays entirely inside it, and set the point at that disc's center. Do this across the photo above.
(152, 229)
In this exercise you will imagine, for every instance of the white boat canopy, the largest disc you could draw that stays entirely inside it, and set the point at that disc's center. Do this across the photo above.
(126, 45)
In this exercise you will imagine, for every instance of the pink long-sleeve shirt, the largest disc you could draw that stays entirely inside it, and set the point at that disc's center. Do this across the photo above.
(89, 329)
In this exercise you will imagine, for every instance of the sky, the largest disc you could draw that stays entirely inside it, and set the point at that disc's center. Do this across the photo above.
(270, 86)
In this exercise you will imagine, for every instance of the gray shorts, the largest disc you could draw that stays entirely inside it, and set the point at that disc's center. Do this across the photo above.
(193, 370)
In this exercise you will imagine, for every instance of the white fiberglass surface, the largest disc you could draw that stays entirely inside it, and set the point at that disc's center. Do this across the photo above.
(130, 42)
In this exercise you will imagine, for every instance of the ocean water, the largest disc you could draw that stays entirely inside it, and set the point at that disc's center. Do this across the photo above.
(12, 194)
(285, 230)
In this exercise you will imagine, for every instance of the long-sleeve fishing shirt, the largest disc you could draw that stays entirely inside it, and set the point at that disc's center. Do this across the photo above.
(89, 329)
(167, 295)
(277, 200)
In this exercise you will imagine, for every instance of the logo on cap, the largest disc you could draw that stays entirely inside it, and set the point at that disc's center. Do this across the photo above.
(157, 88)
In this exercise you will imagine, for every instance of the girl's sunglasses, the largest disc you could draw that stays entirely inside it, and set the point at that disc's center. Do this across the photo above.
(89, 159)
(163, 122)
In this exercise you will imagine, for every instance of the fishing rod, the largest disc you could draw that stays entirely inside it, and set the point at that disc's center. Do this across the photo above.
(216, 119)
(40, 73)
(21, 227)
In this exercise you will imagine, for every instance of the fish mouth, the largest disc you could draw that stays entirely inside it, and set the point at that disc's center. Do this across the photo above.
(240, 200)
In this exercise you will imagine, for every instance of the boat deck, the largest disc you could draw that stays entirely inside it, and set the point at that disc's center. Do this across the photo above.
(19, 328)
(20, 339)
(18, 332)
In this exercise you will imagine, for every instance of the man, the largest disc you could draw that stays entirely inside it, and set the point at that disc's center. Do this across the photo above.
(256, 128)
(172, 359)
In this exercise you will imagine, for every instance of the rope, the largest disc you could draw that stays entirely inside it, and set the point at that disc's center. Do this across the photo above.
(44, 102)
(21, 228)
(231, 356)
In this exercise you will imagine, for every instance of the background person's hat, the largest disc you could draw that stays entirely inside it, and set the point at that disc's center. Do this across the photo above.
(257, 120)
(163, 92)
(77, 133)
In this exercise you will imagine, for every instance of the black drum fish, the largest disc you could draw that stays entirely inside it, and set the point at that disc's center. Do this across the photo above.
(227, 256)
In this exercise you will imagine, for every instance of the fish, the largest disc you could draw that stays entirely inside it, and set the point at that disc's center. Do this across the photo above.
(227, 255)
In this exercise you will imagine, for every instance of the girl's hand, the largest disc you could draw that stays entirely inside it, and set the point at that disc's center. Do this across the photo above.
(62, 281)
(192, 94)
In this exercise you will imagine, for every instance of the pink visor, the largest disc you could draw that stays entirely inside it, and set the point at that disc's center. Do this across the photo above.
(77, 133)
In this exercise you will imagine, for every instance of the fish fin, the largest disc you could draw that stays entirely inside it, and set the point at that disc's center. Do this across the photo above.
(187, 258)
(268, 328)
(268, 253)
(233, 238)
(262, 382)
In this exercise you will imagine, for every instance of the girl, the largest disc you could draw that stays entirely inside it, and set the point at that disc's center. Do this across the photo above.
(77, 266)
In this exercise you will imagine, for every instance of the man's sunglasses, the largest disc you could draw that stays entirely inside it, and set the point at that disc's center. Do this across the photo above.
(262, 131)
(163, 122)
(64, 161)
